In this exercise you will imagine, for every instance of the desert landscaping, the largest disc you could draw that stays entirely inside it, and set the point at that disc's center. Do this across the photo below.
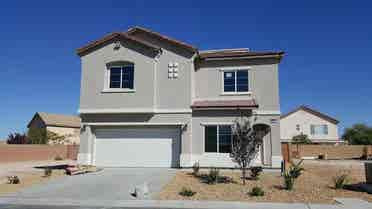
(315, 185)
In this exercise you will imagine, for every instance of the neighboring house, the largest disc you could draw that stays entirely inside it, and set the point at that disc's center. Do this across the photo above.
(148, 100)
(63, 125)
(319, 127)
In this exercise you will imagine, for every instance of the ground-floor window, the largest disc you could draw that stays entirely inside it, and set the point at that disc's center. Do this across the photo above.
(218, 138)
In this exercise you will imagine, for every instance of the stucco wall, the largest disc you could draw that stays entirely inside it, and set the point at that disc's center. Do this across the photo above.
(94, 72)
(263, 81)
(305, 119)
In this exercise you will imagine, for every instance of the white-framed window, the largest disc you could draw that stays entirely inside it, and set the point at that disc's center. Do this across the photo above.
(235, 81)
(217, 138)
(173, 70)
(121, 77)
(298, 127)
(318, 129)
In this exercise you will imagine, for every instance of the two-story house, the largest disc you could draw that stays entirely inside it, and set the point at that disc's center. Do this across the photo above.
(148, 100)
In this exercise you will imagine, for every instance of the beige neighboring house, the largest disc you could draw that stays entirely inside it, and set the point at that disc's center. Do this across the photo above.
(319, 127)
(64, 125)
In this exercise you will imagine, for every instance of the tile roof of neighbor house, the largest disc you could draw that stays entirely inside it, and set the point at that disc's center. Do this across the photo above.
(212, 54)
(247, 103)
(51, 119)
(311, 111)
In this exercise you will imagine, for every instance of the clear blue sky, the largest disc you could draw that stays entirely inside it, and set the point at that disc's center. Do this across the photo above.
(328, 44)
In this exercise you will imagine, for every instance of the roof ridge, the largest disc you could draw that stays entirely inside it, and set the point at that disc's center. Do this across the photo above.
(312, 111)
(133, 30)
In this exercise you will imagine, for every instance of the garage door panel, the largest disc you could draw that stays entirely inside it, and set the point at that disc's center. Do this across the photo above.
(141, 147)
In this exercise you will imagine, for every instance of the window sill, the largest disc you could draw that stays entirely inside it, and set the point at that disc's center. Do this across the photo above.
(118, 91)
(236, 93)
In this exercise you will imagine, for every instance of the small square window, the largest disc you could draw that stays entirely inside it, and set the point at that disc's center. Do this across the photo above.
(173, 70)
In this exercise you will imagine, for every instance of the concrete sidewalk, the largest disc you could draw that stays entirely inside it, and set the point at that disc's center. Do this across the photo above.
(341, 203)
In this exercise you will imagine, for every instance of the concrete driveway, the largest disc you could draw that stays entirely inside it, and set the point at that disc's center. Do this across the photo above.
(109, 184)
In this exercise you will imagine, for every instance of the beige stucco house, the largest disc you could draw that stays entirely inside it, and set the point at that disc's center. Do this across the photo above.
(319, 127)
(148, 100)
(63, 125)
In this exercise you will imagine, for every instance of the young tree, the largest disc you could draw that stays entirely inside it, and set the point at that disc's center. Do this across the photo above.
(37, 135)
(246, 143)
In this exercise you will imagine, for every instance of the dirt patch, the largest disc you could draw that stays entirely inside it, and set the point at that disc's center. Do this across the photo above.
(314, 186)
(28, 179)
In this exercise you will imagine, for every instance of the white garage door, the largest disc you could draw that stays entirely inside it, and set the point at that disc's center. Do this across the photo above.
(137, 147)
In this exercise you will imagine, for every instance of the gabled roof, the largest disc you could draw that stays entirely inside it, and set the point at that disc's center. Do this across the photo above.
(311, 111)
(223, 104)
(239, 53)
(51, 119)
(114, 36)
(135, 29)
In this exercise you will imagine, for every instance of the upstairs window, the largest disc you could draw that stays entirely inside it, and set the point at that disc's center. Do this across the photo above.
(218, 139)
(122, 77)
(235, 81)
(318, 129)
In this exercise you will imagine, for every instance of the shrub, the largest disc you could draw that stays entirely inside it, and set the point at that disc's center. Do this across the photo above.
(257, 191)
(296, 169)
(195, 169)
(213, 176)
(256, 172)
(341, 180)
(288, 181)
(17, 138)
(48, 172)
(13, 180)
(58, 158)
(301, 139)
(186, 192)
(293, 172)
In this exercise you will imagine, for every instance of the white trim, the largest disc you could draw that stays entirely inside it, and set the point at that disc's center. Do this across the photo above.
(131, 124)
(236, 93)
(118, 90)
(155, 85)
(131, 110)
(266, 112)
(246, 67)
(216, 123)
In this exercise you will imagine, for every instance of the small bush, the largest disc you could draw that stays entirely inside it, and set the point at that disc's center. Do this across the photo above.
(296, 169)
(288, 181)
(13, 180)
(186, 192)
(17, 138)
(293, 172)
(195, 169)
(58, 158)
(341, 180)
(301, 139)
(257, 191)
(48, 172)
(256, 172)
(213, 176)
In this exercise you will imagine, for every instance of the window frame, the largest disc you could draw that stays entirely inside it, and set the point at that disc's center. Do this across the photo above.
(107, 88)
(324, 127)
(235, 70)
(218, 138)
